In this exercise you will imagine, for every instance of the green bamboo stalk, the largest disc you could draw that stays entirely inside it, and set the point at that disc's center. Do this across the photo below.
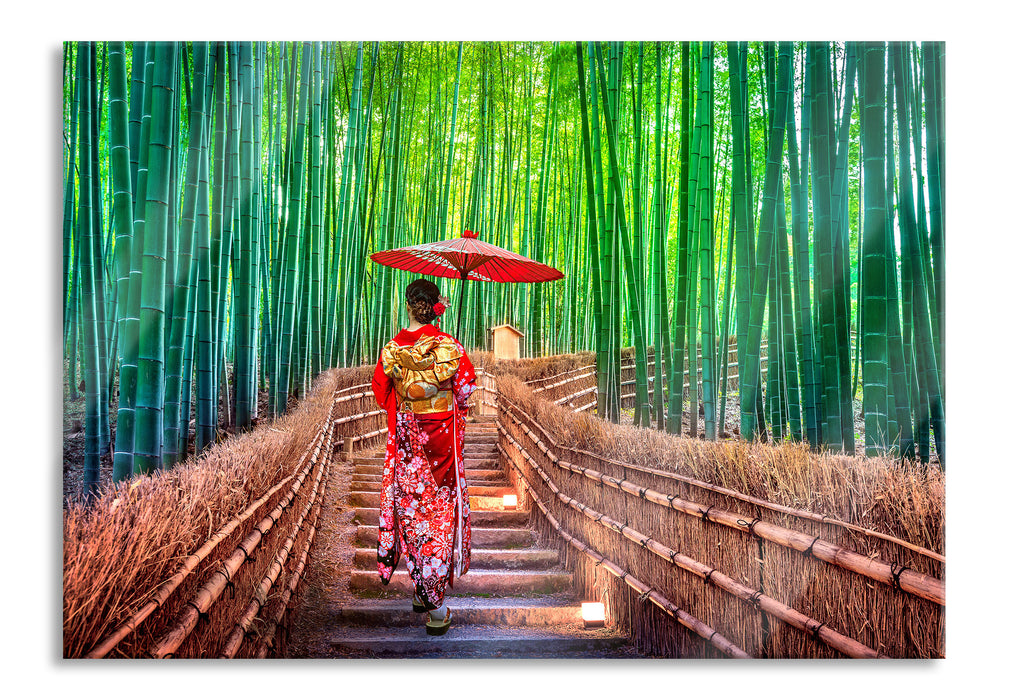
(874, 316)
(210, 276)
(675, 416)
(122, 205)
(840, 251)
(230, 255)
(69, 219)
(176, 420)
(662, 378)
(593, 231)
(87, 300)
(738, 99)
(100, 253)
(244, 280)
(124, 464)
(933, 85)
(150, 358)
(925, 360)
(293, 237)
(750, 375)
(706, 240)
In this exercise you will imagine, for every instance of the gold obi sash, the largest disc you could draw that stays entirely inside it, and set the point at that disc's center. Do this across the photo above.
(422, 373)
(439, 403)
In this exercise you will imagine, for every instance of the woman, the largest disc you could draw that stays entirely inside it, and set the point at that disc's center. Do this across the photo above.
(423, 380)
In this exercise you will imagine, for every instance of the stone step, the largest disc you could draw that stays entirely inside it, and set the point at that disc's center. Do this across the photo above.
(481, 559)
(492, 581)
(476, 641)
(525, 611)
(477, 518)
(481, 440)
(468, 462)
(475, 473)
(480, 498)
(373, 482)
(477, 487)
(472, 476)
(483, 537)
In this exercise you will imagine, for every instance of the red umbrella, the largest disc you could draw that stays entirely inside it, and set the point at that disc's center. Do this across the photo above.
(467, 258)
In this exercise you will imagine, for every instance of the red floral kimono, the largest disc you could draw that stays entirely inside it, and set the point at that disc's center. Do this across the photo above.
(423, 380)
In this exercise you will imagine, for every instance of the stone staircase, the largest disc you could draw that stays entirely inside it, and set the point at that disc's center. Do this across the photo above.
(515, 601)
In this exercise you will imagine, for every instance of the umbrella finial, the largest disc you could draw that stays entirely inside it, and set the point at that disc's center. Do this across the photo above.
(470, 234)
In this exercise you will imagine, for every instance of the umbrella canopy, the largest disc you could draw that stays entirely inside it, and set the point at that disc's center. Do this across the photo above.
(467, 258)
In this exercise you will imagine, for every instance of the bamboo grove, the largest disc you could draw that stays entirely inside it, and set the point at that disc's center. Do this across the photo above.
(221, 200)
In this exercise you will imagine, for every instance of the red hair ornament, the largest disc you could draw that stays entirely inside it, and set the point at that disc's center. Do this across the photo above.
(439, 309)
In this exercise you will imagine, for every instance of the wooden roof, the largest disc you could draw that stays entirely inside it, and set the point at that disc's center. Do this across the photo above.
(508, 325)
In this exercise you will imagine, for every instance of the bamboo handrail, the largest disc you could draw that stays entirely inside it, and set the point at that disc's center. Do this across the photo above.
(562, 383)
(702, 629)
(359, 416)
(686, 381)
(356, 386)
(899, 577)
(565, 399)
(351, 397)
(212, 589)
(162, 593)
(355, 438)
(769, 505)
(560, 374)
(818, 630)
(266, 642)
(259, 596)
(753, 500)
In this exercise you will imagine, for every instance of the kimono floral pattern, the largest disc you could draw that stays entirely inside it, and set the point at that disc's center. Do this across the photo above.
(426, 524)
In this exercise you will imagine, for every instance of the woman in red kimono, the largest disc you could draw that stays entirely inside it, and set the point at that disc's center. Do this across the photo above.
(423, 380)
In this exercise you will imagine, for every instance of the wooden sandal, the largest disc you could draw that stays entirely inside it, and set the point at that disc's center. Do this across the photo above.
(439, 627)
(418, 606)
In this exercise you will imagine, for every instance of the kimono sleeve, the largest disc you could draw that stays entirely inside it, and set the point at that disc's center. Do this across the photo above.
(463, 381)
(382, 388)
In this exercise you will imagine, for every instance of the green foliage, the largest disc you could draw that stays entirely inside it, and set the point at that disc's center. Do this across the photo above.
(582, 155)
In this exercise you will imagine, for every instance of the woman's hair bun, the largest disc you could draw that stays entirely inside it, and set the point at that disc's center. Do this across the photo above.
(421, 296)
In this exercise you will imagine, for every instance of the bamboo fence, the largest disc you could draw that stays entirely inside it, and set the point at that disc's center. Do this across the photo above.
(771, 578)
(230, 594)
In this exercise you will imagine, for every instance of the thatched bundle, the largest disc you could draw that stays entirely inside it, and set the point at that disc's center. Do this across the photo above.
(873, 510)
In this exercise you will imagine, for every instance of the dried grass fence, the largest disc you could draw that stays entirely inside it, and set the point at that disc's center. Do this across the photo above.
(205, 560)
(741, 549)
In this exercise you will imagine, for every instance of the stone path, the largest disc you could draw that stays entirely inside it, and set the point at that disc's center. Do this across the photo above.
(514, 602)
